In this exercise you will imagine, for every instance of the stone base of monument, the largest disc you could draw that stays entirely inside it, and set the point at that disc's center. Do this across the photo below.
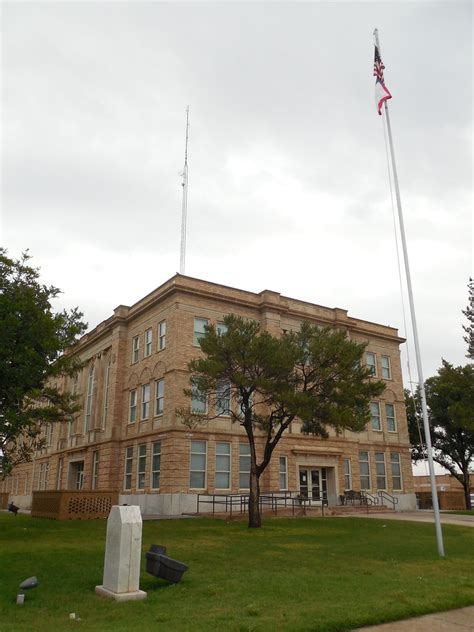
(137, 595)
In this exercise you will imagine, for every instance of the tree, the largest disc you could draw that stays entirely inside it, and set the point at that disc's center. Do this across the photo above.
(32, 340)
(450, 400)
(315, 375)
(469, 314)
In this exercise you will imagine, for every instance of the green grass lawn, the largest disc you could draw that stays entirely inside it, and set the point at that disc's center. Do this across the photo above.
(319, 574)
(460, 512)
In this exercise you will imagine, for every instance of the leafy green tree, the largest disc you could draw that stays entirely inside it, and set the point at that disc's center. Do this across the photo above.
(469, 314)
(314, 375)
(32, 340)
(450, 400)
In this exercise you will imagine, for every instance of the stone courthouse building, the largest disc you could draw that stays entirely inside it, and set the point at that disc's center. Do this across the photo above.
(128, 437)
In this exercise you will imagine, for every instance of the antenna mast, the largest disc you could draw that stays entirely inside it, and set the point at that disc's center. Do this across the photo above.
(184, 210)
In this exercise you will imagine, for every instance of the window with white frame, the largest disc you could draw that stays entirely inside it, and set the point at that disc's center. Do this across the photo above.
(200, 325)
(132, 411)
(221, 329)
(347, 474)
(283, 478)
(162, 335)
(141, 466)
(222, 480)
(106, 395)
(135, 349)
(386, 369)
(74, 392)
(49, 435)
(380, 470)
(371, 362)
(197, 469)
(127, 484)
(390, 416)
(198, 400)
(156, 465)
(43, 476)
(89, 395)
(159, 396)
(148, 342)
(27, 481)
(95, 469)
(59, 474)
(364, 468)
(146, 396)
(244, 465)
(375, 415)
(223, 398)
(396, 471)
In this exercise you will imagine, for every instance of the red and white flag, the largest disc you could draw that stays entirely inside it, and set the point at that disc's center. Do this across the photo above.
(381, 91)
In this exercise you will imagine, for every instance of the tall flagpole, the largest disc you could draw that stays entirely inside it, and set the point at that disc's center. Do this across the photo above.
(429, 448)
(184, 208)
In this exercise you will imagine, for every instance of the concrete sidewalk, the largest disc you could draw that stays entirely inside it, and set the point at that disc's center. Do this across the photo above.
(422, 515)
(461, 620)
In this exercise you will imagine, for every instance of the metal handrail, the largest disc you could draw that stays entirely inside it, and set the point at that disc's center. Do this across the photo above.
(274, 500)
(387, 497)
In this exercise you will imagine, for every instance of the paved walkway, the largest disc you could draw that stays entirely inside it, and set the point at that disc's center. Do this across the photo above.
(421, 516)
(461, 620)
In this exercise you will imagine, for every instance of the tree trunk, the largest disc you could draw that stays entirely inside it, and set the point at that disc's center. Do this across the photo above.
(467, 491)
(255, 520)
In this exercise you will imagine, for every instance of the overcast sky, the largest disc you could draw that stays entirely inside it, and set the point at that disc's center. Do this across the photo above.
(288, 184)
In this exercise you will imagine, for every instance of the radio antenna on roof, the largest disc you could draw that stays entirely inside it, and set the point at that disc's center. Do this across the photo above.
(184, 210)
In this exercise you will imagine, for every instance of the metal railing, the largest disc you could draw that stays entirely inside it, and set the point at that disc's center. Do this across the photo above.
(385, 497)
(238, 503)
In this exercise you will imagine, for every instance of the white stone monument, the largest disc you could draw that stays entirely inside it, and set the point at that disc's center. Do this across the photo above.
(123, 551)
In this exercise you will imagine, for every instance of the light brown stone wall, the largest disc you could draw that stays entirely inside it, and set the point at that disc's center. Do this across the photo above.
(178, 302)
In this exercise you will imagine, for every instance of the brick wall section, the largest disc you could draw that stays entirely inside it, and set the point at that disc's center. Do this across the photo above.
(178, 302)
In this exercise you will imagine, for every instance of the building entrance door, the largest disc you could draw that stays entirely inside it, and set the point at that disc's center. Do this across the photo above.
(76, 475)
(310, 483)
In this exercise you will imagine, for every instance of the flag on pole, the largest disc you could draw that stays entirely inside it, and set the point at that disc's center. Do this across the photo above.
(381, 92)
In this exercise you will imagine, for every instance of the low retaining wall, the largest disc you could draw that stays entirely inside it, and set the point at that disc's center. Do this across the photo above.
(162, 504)
(73, 505)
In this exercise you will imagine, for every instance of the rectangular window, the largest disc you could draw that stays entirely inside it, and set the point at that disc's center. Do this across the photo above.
(390, 415)
(223, 398)
(221, 329)
(200, 325)
(128, 468)
(106, 395)
(156, 465)
(371, 363)
(222, 480)
(141, 466)
(197, 470)
(364, 470)
(90, 392)
(59, 474)
(386, 370)
(49, 435)
(283, 473)
(380, 470)
(146, 390)
(95, 469)
(347, 475)
(244, 466)
(162, 335)
(396, 471)
(160, 397)
(148, 342)
(132, 415)
(135, 349)
(198, 400)
(375, 415)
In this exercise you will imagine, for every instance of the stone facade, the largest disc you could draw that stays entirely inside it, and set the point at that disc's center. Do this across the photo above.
(128, 437)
